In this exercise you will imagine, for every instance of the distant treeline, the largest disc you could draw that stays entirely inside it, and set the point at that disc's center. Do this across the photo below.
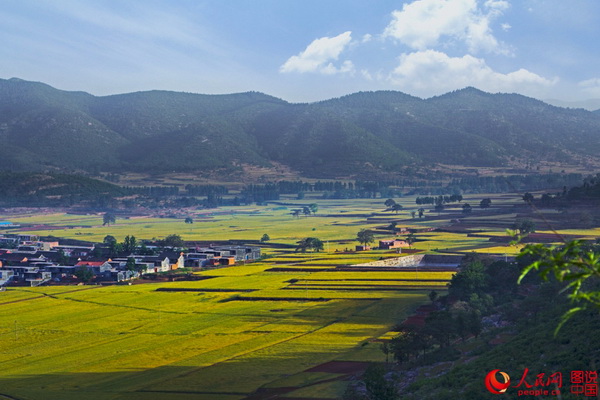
(50, 189)
(512, 183)
(588, 192)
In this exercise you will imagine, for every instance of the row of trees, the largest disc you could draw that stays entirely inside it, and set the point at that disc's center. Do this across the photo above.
(439, 199)
(309, 243)
(306, 210)
(131, 245)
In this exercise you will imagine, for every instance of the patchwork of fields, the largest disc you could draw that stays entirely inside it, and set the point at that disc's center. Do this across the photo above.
(294, 326)
(263, 329)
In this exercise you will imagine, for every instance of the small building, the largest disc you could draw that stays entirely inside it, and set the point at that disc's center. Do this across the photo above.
(241, 253)
(197, 259)
(392, 244)
(222, 261)
(362, 248)
(97, 267)
(75, 251)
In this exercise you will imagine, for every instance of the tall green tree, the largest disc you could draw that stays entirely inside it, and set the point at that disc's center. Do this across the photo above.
(365, 236)
(129, 244)
(410, 239)
(108, 218)
(84, 274)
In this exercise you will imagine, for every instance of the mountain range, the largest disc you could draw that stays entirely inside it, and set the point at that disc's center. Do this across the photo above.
(43, 128)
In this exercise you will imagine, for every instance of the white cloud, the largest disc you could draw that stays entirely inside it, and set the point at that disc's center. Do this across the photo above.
(424, 24)
(432, 72)
(591, 87)
(318, 56)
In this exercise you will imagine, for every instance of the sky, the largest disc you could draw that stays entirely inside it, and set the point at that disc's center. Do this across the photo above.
(305, 50)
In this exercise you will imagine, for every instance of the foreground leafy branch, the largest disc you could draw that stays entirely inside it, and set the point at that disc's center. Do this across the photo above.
(576, 264)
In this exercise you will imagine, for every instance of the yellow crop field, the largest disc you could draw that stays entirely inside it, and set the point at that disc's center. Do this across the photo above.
(140, 342)
(262, 325)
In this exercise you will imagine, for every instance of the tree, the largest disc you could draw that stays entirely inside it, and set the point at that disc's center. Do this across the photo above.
(402, 346)
(309, 243)
(378, 387)
(528, 198)
(144, 250)
(433, 295)
(466, 208)
(389, 203)
(410, 239)
(130, 265)
(365, 236)
(471, 279)
(108, 218)
(113, 247)
(397, 207)
(129, 244)
(189, 220)
(413, 213)
(306, 210)
(173, 241)
(524, 226)
(485, 203)
(439, 324)
(421, 212)
(296, 213)
(109, 240)
(313, 208)
(386, 348)
(265, 238)
(84, 274)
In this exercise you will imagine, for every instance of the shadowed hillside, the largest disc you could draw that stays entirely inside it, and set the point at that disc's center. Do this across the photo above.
(157, 131)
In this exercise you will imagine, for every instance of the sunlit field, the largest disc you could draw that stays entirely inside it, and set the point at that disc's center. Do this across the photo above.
(138, 341)
(293, 323)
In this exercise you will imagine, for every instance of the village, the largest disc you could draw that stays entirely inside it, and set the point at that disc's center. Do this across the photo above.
(25, 260)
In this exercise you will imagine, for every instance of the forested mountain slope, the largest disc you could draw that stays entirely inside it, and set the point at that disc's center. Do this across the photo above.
(157, 131)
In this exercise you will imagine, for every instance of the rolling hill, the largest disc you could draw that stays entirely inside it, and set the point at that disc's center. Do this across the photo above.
(43, 128)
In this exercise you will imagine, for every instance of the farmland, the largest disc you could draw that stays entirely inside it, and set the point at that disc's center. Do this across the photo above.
(294, 324)
(137, 341)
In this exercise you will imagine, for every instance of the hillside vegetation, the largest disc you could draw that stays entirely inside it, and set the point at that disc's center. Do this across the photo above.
(157, 131)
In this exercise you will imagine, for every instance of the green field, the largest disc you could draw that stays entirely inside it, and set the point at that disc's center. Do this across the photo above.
(125, 342)
(285, 325)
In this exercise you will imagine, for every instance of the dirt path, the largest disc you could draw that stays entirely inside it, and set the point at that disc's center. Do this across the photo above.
(48, 295)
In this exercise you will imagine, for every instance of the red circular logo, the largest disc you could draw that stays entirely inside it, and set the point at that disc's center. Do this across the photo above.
(494, 385)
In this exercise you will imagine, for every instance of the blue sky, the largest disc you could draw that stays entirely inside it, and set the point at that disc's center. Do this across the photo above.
(305, 50)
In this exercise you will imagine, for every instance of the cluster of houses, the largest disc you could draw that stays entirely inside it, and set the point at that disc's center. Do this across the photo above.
(25, 260)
